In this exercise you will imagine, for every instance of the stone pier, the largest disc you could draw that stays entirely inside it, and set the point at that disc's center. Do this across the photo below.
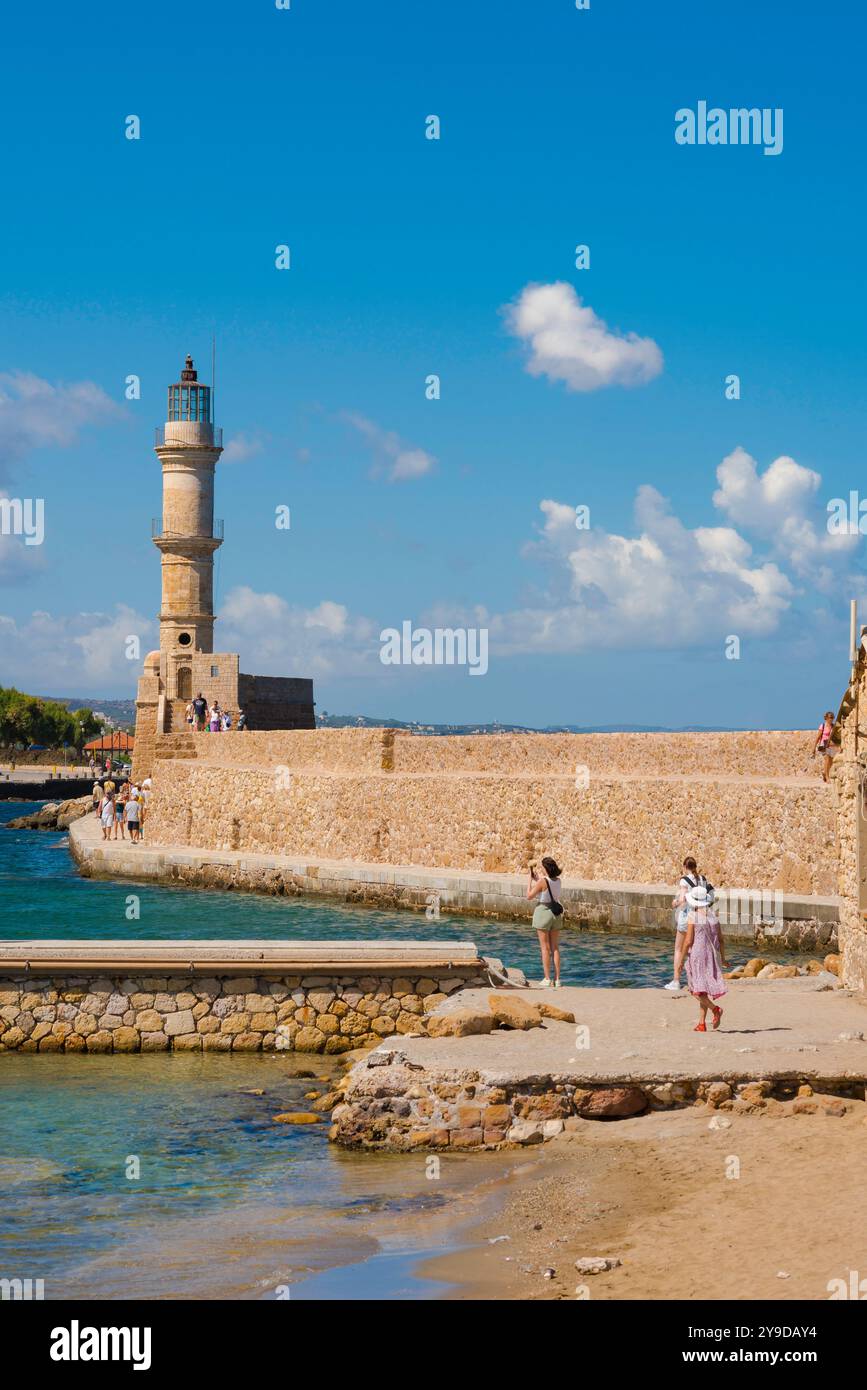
(487, 1075)
(221, 996)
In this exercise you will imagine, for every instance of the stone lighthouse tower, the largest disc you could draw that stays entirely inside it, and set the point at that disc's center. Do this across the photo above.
(187, 447)
(187, 537)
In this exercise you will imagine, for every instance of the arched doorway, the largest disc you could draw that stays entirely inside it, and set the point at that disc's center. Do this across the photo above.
(185, 683)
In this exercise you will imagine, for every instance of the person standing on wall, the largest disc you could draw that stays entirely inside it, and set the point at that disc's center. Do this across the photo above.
(545, 885)
(200, 709)
(827, 743)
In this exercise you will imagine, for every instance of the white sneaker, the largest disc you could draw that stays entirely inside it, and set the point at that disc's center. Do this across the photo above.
(672, 984)
(545, 984)
(557, 984)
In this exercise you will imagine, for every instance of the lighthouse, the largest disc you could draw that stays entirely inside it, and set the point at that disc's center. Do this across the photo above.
(187, 537)
(188, 446)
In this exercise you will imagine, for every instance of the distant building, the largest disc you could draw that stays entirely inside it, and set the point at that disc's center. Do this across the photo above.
(187, 536)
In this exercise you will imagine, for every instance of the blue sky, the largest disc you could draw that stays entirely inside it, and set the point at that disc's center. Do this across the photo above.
(307, 127)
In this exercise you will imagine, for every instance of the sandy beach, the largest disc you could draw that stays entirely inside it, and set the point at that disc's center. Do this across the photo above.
(662, 1193)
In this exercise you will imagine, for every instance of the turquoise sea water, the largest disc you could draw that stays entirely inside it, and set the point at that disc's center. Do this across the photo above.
(42, 895)
(227, 1203)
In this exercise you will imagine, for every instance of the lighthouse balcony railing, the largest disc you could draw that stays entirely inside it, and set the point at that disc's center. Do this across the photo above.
(159, 533)
(171, 434)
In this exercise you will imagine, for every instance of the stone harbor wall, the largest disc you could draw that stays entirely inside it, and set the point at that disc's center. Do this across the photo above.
(745, 833)
(395, 1109)
(849, 778)
(765, 754)
(193, 1013)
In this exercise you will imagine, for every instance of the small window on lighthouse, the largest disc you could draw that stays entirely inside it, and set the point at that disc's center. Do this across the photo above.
(184, 639)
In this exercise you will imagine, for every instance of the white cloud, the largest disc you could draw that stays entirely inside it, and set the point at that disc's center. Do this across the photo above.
(240, 448)
(397, 460)
(782, 505)
(35, 413)
(71, 654)
(567, 342)
(276, 638)
(664, 586)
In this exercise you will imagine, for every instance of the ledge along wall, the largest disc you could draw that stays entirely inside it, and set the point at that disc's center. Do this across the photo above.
(623, 808)
(64, 1005)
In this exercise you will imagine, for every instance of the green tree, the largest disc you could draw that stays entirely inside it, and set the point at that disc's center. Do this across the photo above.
(27, 719)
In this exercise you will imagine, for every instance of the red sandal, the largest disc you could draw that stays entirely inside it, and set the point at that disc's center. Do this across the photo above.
(717, 1015)
(700, 1028)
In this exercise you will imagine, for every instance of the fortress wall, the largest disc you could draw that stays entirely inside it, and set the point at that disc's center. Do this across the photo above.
(748, 834)
(350, 750)
(761, 754)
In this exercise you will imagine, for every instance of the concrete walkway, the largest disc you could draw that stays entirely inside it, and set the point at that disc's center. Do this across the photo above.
(771, 1029)
(621, 907)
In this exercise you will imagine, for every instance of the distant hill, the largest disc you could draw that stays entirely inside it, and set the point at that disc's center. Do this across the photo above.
(120, 713)
(364, 721)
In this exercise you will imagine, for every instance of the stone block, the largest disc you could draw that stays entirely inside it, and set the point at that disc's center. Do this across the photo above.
(178, 1023)
(236, 1023)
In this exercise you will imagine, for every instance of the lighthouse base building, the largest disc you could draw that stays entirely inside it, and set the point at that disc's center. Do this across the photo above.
(187, 536)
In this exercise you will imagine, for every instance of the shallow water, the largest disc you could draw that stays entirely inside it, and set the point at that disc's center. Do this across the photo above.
(228, 1204)
(42, 895)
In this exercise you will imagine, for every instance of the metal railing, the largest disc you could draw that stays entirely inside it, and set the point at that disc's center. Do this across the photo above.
(167, 435)
(158, 534)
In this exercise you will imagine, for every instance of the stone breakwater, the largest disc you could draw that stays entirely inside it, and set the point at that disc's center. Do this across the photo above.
(612, 808)
(765, 835)
(191, 1013)
(796, 921)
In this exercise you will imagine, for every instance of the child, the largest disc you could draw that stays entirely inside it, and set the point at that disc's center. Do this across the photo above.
(705, 956)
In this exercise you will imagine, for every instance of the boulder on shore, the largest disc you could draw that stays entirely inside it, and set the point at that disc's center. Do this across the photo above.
(459, 1023)
(511, 1012)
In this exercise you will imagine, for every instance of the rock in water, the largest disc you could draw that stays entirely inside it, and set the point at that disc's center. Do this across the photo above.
(297, 1117)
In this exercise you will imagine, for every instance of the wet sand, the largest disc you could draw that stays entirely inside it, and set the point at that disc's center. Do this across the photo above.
(692, 1212)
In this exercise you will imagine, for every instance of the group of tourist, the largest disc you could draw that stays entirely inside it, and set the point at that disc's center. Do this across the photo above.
(121, 808)
(204, 717)
(699, 943)
(699, 947)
